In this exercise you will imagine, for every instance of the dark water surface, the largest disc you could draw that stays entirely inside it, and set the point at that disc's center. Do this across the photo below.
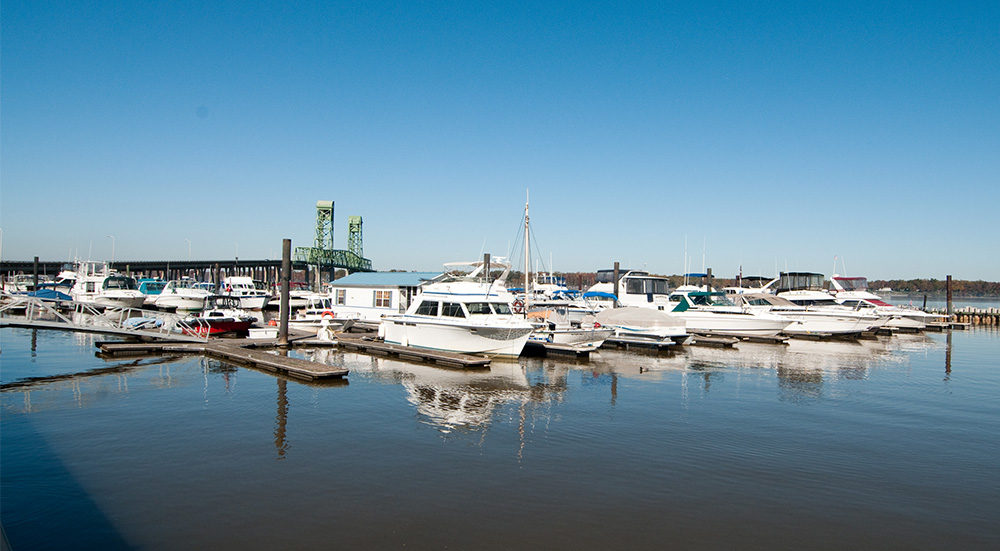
(886, 444)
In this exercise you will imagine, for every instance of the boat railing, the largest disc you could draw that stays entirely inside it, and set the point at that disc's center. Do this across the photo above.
(86, 316)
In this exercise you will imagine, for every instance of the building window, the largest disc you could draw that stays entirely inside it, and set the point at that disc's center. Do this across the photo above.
(383, 299)
(341, 296)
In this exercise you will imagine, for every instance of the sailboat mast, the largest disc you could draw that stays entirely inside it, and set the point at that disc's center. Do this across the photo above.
(527, 259)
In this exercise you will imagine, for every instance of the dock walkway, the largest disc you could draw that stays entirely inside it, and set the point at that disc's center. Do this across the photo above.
(233, 351)
(450, 359)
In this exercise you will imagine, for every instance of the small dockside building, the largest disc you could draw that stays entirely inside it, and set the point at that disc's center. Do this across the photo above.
(368, 296)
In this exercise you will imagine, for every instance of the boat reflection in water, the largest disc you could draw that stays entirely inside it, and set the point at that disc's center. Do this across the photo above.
(801, 366)
(457, 400)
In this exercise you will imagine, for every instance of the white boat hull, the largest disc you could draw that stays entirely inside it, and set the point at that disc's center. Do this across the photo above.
(180, 302)
(757, 325)
(583, 338)
(465, 338)
(120, 300)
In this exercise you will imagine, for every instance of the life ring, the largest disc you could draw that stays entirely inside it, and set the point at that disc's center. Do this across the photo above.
(597, 325)
(327, 313)
(273, 322)
(518, 306)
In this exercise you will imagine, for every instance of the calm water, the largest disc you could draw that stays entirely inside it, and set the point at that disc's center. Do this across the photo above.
(883, 444)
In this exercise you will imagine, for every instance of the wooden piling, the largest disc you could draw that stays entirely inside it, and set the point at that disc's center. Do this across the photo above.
(286, 274)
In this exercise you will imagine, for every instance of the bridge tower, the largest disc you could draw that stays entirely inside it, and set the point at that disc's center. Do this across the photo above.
(324, 225)
(354, 235)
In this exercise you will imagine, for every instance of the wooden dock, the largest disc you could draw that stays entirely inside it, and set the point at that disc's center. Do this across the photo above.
(449, 359)
(626, 343)
(545, 348)
(714, 341)
(233, 351)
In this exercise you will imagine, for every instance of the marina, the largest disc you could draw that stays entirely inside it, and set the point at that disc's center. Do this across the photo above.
(878, 443)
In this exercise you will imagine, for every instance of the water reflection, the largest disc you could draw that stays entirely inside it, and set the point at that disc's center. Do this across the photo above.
(466, 401)
(281, 422)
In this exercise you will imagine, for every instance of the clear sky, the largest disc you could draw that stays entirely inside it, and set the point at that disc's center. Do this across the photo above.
(772, 135)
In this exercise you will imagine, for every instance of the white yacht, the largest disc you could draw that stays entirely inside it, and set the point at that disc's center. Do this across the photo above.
(643, 325)
(810, 321)
(182, 294)
(712, 312)
(245, 288)
(643, 290)
(96, 285)
(468, 313)
(554, 325)
(853, 292)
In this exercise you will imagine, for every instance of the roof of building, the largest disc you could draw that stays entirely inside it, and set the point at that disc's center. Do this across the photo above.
(384, 279)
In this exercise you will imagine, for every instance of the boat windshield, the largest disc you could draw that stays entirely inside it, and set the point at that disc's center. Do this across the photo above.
(121, 283)
(853, 283)
(153, 287)
(646, 286)
(710, 299)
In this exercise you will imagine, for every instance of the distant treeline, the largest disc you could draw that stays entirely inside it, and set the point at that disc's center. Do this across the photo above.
(959, 287)
(938, 286)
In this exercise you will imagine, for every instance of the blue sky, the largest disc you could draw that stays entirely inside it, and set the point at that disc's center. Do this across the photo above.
(772, 135)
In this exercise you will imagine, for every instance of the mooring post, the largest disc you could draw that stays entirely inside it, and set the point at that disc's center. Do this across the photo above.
(486, 268)
(948, 286)
(708, 280)
(286, 275)
(616, 280)
(35, 286)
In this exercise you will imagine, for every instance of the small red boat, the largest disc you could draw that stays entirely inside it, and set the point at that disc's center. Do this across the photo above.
(219, 317)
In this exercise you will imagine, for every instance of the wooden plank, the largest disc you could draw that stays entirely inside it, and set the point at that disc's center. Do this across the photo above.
(294, 367)
(413, 353)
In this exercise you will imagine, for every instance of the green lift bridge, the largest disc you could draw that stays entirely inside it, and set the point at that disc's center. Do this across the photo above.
(323, 255)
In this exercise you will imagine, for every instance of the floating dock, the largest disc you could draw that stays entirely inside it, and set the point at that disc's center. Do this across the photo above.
(627, 342)
(234, 352)
(450, 359)
(545, 348)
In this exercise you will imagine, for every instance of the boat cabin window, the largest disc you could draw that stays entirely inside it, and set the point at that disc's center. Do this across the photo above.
(427, 308)
(812, 302)
(502, 308)
(120, 283)
(479, 308)
(452, 309)
(637, 286)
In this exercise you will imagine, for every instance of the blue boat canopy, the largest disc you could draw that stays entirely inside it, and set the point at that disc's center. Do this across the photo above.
(600, 294)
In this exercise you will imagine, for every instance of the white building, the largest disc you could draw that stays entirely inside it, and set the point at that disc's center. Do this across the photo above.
(370, 295)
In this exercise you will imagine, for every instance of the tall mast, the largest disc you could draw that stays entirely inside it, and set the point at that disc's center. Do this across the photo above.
(527, 259)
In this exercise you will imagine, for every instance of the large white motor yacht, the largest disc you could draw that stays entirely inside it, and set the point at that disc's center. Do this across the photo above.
(468, 313)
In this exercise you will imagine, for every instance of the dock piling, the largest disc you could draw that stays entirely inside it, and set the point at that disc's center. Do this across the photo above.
(286, 275)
